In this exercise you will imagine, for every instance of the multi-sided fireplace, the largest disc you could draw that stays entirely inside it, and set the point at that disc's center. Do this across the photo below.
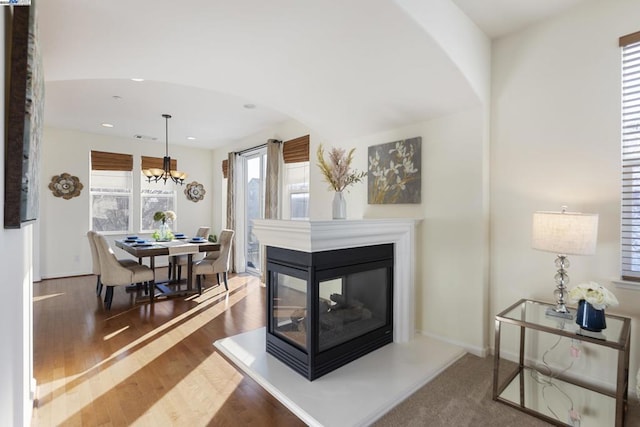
(327, 308)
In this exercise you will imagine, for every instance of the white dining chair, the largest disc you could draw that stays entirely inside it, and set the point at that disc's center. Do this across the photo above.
(217, 262)
(113, 273)
(96, 261)
(177, 261)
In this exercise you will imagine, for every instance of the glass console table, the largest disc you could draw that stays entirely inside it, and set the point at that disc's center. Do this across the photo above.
(523, 387)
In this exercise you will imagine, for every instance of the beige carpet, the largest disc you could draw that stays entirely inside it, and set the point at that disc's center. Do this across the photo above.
(461, 396)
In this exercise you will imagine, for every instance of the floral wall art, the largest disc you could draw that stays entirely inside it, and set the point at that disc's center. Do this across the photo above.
(195, 191)
(394, 175)
(65, 186)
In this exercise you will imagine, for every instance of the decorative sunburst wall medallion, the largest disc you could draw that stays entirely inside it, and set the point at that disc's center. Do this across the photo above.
(65, 186)
(195, 192)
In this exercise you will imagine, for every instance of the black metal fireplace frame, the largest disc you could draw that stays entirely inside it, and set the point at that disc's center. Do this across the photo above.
(316, 267)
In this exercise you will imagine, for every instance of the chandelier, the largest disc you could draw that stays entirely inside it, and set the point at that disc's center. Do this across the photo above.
(155, 174)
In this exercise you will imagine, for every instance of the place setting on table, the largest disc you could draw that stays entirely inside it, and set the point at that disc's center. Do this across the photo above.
(137, 242)
(194, 239)
(179, 239)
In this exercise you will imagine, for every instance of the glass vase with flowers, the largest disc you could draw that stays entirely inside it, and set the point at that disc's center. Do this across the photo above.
(592, 299)
(163, 233)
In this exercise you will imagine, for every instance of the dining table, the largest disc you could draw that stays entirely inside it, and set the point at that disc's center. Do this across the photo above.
(151, 249)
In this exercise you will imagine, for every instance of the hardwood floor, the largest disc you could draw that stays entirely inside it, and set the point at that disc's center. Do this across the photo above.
(144, 365)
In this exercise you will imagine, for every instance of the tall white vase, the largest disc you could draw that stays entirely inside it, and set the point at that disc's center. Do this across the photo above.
(339, 206)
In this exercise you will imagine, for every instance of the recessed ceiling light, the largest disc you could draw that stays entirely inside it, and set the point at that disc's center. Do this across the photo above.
(117, 97)
(138, 80)
(191, 138)
(107, 125)
(249, 106)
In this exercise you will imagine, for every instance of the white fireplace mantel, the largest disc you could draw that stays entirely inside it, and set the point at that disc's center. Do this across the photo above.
(315, 236)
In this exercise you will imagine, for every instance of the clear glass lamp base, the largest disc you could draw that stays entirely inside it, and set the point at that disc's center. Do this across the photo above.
(560, 293)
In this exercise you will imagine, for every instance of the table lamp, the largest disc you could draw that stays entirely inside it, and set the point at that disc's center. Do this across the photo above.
(564, 233)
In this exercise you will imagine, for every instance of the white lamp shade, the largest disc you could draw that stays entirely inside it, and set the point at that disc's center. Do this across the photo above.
(565, 233)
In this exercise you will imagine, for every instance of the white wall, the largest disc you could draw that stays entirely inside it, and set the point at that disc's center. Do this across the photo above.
(63, 243)
(452, 253)
(16, 362)
(556, 140)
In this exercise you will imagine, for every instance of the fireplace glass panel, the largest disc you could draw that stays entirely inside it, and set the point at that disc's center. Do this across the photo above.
(351, 306)
(290, 309)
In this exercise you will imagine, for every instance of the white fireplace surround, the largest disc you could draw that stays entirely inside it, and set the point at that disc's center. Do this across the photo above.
(315, 236)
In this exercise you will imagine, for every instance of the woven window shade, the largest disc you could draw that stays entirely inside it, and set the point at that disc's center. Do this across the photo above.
(156, 162)
(296, 150)
(629, 39)
(630, 221)
(225, 168)
(103, 161)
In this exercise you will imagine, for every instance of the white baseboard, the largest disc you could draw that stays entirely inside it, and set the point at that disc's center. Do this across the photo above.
(475, 350)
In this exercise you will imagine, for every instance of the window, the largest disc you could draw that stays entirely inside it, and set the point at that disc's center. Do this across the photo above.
(630, 221)
(255, 166)
(295, 153)
(111, 192)
(154, 197)
(297, 189)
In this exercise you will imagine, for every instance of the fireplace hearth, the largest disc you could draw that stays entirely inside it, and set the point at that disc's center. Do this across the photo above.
(328, 308)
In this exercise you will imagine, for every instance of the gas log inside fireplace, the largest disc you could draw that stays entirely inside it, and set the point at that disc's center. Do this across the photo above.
(328, 308)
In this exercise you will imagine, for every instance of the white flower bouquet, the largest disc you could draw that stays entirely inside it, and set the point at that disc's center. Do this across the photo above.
(164, 216)
(593, 293)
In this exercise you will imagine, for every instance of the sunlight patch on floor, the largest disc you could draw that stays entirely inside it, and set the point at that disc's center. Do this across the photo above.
(198, 387)
(113, 334)
(128, 360)
(44, 297)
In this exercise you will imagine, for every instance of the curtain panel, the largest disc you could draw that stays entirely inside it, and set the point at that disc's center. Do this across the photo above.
(231, 203)
(273, 180)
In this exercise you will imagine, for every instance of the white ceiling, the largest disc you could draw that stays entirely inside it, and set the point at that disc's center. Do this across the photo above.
(342, 68)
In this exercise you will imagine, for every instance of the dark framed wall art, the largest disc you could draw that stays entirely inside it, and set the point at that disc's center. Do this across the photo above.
(395, 172)
(24, 120)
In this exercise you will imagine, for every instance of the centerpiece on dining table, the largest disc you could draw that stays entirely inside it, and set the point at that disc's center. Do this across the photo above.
(163, 233)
